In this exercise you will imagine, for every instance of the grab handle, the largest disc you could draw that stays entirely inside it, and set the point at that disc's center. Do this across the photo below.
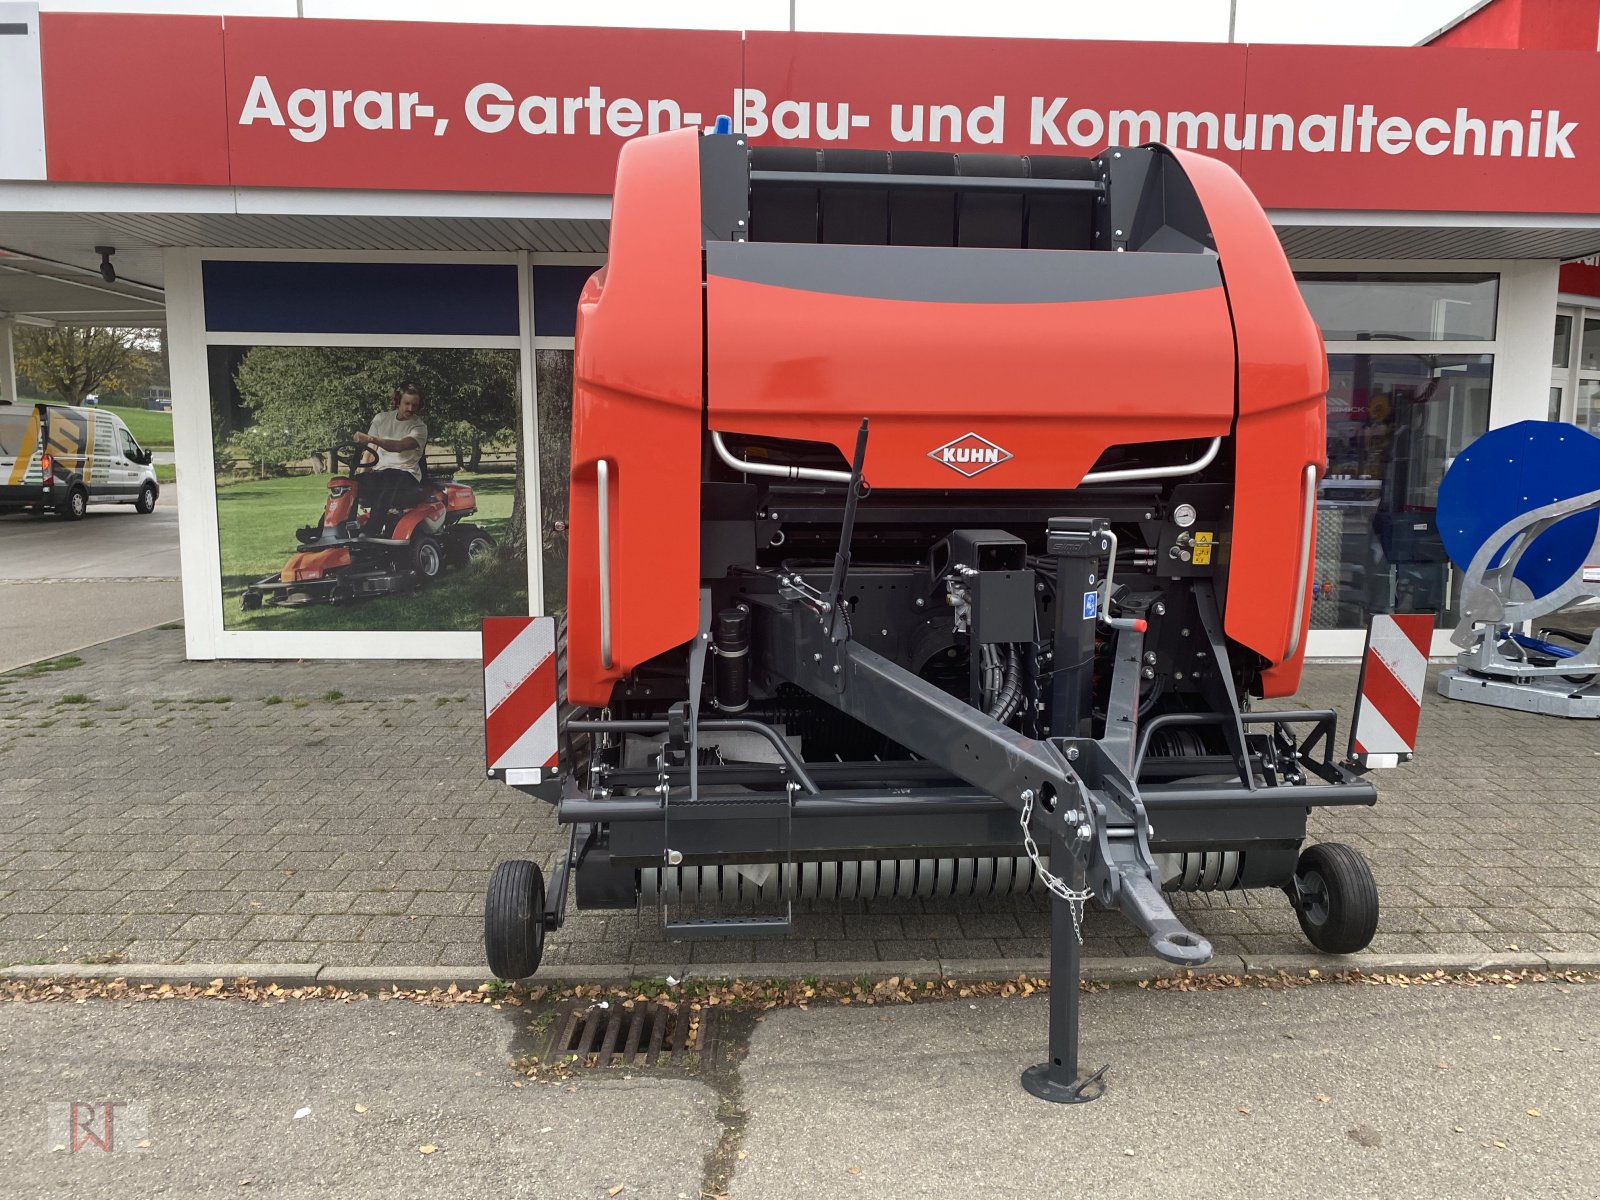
(1302, 575)
(602, 475)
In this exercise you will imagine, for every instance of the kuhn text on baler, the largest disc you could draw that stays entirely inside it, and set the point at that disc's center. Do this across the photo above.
(927, 509)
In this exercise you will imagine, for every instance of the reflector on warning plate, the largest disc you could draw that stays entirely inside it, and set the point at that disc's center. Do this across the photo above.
(1389, 701)
(519, 697)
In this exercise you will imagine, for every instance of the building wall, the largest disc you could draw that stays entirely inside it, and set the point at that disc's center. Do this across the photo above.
(1527, 25)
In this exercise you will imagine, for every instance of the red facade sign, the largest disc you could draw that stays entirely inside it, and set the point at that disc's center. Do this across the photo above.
(416, 106)
(433, 107)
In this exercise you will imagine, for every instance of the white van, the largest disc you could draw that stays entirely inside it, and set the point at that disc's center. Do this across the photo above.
(56, 459)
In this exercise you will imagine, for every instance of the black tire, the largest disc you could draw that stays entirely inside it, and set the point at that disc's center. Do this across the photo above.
(76, 506)
(467, 544)
(513, 920)
(250, 601)
(146, 503)
(427, 556)
(1335, 898)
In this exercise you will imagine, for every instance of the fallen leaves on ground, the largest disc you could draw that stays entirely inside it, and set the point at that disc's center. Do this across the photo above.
(760, 994)
(427, 1148)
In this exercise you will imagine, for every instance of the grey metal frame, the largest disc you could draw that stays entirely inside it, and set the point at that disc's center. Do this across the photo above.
(1491, 596)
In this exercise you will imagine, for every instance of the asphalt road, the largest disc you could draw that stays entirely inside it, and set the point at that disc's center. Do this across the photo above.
(1322, 1091)
(69, 584)
(113, 542)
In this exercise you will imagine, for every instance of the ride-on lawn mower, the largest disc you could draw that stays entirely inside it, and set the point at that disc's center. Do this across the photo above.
(934, 519)
(352, 553)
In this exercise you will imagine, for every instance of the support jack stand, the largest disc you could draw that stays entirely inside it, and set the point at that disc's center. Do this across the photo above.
(1037, 1081)
(1056, 1079)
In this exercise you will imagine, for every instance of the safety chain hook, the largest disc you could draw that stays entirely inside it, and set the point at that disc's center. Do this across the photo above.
(1058, 887)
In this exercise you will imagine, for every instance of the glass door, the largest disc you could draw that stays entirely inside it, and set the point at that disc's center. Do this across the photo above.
(1575, 368)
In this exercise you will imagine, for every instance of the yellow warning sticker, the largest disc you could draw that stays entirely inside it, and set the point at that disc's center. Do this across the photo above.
(1202, 554)
(1201, 536)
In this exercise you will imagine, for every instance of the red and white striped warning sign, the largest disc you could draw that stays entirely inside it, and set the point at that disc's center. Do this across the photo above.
(1393, 672)
(519, 696)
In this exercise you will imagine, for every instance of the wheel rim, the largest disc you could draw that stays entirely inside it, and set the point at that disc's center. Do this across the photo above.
(476, 549)
(79, 504)
(428, 560)
(1314, 900)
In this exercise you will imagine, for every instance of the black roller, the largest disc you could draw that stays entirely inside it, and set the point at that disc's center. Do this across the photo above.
(855, 216)
(783, 214)
(1060, 222)
(992, 219)
(922, 216)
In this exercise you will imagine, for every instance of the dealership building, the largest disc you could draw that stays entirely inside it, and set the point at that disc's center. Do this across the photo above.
(276, 183)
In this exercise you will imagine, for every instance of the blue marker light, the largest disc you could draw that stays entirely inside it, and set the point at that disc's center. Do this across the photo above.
(724, 125)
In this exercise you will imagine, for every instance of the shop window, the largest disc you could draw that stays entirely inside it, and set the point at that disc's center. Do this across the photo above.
(436, 544)
(1575, 368)
(320, 298)
(1359, 306)
(1586, 410)
(553, 369)
(1589, 349)
(1561, 348)
(555, 299)
(1395, 422)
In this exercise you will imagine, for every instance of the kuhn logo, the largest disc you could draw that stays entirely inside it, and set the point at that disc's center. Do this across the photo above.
(970, 454)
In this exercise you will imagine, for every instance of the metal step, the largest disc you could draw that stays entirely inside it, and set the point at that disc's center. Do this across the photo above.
(712, 927)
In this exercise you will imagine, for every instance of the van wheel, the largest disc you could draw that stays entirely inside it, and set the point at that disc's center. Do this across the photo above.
(76, 506)
(146, 503)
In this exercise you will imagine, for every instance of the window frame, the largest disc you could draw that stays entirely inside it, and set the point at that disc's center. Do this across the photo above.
(1345, 644)
(1573, 376)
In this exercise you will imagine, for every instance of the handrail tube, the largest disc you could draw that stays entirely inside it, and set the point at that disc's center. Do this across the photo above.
(953, 183)
(583, 810)
(1126, 474)
(602, 475)
(1297, 716)
(785, 751)
(817, 474)
(1302, 576)
(1307, 795)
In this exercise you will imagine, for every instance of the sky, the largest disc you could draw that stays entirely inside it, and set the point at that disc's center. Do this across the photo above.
(1346, 22)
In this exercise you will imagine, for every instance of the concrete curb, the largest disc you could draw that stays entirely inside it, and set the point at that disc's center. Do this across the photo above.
(286, 974)
(1099, 970)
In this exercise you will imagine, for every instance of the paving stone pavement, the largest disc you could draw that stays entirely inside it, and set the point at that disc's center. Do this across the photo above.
(154, 810)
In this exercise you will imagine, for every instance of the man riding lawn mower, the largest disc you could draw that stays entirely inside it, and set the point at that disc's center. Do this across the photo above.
(411, 528)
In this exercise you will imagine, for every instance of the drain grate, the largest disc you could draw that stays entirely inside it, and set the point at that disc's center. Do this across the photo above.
(631, 1034)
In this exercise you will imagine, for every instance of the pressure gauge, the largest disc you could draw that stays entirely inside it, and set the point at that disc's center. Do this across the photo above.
(1184, 515)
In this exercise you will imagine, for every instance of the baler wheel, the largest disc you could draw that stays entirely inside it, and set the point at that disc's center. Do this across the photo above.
(1335, 898)
(513, 920)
